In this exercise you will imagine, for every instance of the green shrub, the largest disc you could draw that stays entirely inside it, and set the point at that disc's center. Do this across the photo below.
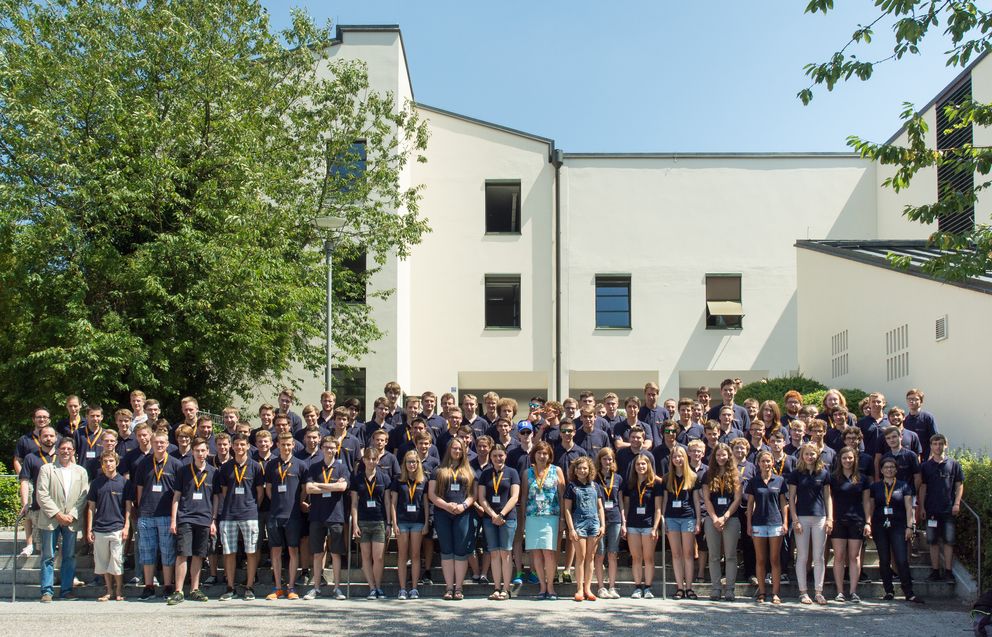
(10, 500)
(977, 487)
(775, 388)
(814, 398)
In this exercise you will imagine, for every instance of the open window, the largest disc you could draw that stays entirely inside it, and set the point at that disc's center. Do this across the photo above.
(724, 309)
(502, 207)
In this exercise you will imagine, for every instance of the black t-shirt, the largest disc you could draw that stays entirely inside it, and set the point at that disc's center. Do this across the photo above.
(196, 489)
(612, 488)
(158, 481)
(641, 503)
(940, 478)
(285, 479)
(409, 508)
(108, 494)
(497, 498)
(810, 500)
(680, 503)
(242, 483)
(371, 494)
(847, 498)
(31, 465)
(329, 507)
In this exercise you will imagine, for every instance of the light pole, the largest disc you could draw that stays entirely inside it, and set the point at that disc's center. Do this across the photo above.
(331, 224)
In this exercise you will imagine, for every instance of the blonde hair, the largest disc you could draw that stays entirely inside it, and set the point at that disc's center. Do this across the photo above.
(688, 475)
(578, 462)
(452, 470)
(802, 466)
(652, 477)
(418, 475)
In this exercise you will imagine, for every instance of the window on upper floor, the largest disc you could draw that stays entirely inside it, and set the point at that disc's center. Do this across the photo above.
(349, 166)
(612, 301)
(350, 279)
(724, 309)
(502, 207)
(502, 301)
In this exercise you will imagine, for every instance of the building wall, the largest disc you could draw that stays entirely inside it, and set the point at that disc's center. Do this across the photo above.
(668, 221)
(953, 373)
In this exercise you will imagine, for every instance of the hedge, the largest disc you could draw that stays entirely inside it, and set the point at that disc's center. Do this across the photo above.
(10, 500)
(811, 390)
(977, 487)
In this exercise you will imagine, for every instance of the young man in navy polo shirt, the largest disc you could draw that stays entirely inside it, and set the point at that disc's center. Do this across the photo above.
(284, 477)
(242, 487)
(28, 467)
(155, 478)
(940, 494)
(194, 511)
(920, 422)
(741, 419)
(107, 525)
(327, 487)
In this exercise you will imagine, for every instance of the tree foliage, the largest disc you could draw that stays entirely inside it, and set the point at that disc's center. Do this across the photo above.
(162, 163)
(968, 27)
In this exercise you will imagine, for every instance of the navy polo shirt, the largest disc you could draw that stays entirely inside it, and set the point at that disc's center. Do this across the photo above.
(329, 508)
(940, 478)
(371, 508)
(810, 492)
(31, 466)
(612, 489)
(196, 489)
(742, 419)
(907, 464)
(285, 479)
(408, 509)
(108, 494)
(158, 482)
(625, 458)
(924, 426)
(679, 503)
(242, 483)
(846, 496)
(767, 507)
(641, 503)
(563, 457)
(592, 441)
(497, 498)
(896, 501)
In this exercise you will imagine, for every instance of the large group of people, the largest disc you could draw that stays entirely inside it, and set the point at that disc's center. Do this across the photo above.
(571, 481)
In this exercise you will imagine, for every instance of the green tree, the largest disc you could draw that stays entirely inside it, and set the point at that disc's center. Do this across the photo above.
(968, 27)
(162, 163)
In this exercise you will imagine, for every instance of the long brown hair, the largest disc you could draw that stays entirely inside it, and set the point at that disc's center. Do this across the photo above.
(452, 470)
(856, 476)
(723, 479)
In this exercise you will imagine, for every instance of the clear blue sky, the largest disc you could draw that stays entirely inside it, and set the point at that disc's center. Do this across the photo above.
(642, 76)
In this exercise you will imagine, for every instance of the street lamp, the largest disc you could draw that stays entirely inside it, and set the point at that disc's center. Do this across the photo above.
(331, 224)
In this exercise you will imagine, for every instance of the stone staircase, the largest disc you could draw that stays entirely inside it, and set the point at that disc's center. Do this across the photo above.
(28, 575)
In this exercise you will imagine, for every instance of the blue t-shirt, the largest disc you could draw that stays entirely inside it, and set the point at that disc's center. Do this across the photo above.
(810, 492)
(497, 498)
(108, 496)
(767, 506)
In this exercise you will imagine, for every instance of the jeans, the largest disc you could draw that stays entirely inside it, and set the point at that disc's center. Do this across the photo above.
(727, 540)
(68, 568)
(892, 541)
(453, 534)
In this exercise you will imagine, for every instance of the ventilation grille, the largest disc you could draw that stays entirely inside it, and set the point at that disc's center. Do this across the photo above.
(897, 352)
(940, 328)
(949, 180)
(838, 350)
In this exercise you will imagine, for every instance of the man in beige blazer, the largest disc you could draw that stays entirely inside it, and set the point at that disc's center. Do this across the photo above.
(62, 488)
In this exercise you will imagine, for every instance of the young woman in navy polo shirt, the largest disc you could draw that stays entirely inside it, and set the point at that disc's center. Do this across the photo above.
(849, 492)
(722, 498)
(890, 509)
(767, 522)
(682, 519)
(408, 504)
(609, 543)
(812, 518)
(642, 498)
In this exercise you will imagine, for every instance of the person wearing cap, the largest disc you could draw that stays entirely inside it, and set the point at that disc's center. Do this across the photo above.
(518, 457)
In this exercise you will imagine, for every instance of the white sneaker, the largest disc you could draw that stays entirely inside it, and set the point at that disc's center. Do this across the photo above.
(614, 594)
(313, 593)
(636, 594)
(339, 594)
(604, 593)
(27, 551)
(402, 594)
(414, 594)
(372, 595)
(647, 594)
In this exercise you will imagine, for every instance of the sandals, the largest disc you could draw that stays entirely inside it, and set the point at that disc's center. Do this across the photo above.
(496, 596)
(680, 594)
(448, 595)
(820, 599)
(804, 599)
(691, 594)
(776, 600)
(760, 598)
(580, 597)
(103, 598)
(459, 595)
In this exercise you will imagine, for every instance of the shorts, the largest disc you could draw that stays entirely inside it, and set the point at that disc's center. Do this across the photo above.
(154, 539)
(541, 533)
(589, 529)
(610, 541)
(229, 530)
(680, 525)
(848, 530)
(320, 531)
(373, 531)
(944, 531)
(411, 527)
(638, 530)
(193, 540)
(284, 532)
(499, 538)
(767, 530)
(108, 553)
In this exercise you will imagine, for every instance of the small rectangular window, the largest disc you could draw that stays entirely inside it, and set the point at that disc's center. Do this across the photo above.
(724, 309)
(350, 165)
(502, 301)
(349, 382)
(349, 279)
(503, 207)
(613, 301)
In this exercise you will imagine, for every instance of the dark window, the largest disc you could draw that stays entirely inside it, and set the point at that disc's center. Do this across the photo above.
(502, 301)
(349, 382)
(613, 301)
(349, 279)
(723, 301)
(503, 206)
(350, 165)
(952, 181)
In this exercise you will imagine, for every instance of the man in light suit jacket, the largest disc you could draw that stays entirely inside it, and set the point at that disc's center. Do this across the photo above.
(62, 488)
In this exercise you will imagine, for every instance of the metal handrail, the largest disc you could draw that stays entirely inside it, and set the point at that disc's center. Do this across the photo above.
(664, 565)
(978, 548)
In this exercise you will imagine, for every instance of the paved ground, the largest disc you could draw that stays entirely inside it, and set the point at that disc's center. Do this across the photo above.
(478, 617)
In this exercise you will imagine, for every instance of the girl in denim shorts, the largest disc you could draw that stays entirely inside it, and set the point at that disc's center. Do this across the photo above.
(586, 521)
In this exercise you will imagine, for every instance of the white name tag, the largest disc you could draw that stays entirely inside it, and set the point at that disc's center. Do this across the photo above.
(239, 490)
(494, 499)
(887, 510)
(156, 488)
(197, 496)
(411, 508)
(676, 504)
(455, 486)
(608, 505)
(720, 501)
(326, 494)
(370, 504)
(932, 523)
(281, 488)
(539, 497)
(91, 454)
(642, 510)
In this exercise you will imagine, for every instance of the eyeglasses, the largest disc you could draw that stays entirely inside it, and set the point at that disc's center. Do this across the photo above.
(669, 431)
(567, 431)
(525, 432)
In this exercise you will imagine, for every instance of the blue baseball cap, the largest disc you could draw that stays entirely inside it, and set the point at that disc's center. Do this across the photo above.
(524, 425)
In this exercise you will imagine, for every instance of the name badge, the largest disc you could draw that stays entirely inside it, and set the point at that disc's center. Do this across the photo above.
(539, 497)
(326, 494)
(720, 502)
(156, 488)
(197, 496)
(239, 490)
(676, 504)
(91, 454)
(642, 510)
(281, 488)
(455, 486)
(887, 510)
(411, 508)
(932, 524)
(494, 499)
(608, 505)
(370, 504)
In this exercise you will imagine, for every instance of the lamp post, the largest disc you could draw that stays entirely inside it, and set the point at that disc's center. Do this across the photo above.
(331, 224)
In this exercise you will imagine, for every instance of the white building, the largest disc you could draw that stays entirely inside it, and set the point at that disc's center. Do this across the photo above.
(551, 272)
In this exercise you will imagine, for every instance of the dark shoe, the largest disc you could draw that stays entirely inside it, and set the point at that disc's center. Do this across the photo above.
(934, 576)
(175, 599)
(210, 580)
(888, 597)
(147, 593)
(198, 596)
(227, 595)
(949, 577)
(914, 599)
(70, 596)
(248, 595)
(691, 594)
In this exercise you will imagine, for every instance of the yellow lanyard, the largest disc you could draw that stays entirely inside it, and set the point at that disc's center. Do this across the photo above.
(888, 492)
(327, 476)
(411, 487)
(641, 492)
(497, 480)
(91, 442)
(370, 486)
(244, 469)
(284, 470)
(678, 489)
(197, 483)
(158, 472)
(608, 489)
(542, 477)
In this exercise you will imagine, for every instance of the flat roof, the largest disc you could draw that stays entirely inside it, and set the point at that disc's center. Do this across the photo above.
(874, 253)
